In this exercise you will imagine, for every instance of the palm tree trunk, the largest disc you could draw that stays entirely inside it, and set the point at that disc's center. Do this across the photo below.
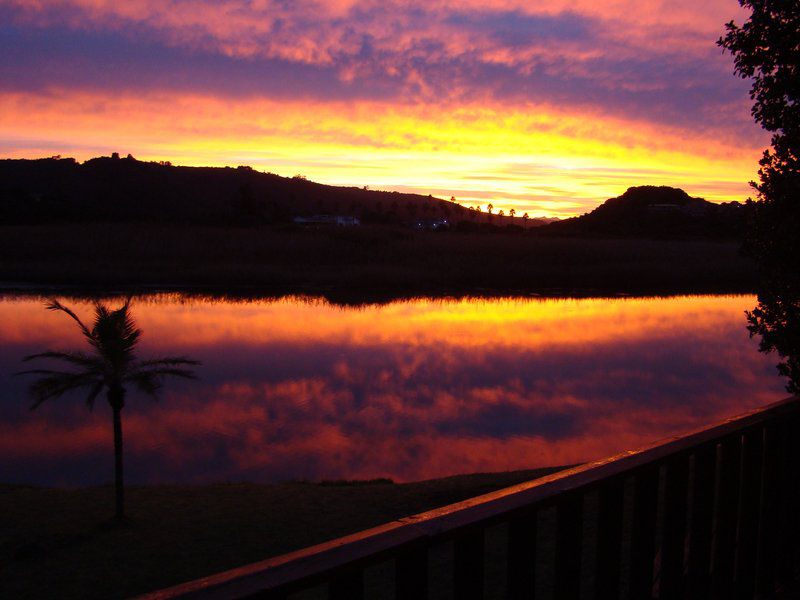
(119, 488)
(116, 398)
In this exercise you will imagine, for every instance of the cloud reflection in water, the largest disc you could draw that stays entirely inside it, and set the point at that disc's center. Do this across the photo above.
(296, 389)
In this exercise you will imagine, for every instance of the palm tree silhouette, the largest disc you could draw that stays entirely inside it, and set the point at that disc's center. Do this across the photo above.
(110, 366)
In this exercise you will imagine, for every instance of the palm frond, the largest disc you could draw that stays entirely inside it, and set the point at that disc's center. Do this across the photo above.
(145, 382)
(116, 334)
(113, 338)
(94, 393)
(167, 361)
(79, 359)
(148, 375)
(54, 304)
(57, 383)
(44, 372)
(161, 372)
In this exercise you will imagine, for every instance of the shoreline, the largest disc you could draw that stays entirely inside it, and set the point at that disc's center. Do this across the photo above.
(53, 538)
(335, 295)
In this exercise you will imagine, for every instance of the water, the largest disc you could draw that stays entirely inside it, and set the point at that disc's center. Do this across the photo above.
(303, 389)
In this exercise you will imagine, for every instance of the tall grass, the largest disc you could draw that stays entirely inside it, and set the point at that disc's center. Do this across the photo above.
(400, 261)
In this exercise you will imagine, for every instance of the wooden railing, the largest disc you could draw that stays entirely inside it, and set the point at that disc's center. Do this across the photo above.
(712, 514)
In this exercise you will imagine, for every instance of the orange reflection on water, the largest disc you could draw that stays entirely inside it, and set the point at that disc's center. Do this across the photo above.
(298, 388)
(467, 322)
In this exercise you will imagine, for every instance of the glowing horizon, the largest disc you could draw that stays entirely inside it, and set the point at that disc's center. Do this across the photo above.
(548, 110)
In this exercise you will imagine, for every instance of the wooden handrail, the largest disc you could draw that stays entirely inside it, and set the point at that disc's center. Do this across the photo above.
(317, 563)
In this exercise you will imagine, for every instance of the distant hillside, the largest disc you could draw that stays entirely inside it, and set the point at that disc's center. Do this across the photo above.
(113, 189)
(656, 212)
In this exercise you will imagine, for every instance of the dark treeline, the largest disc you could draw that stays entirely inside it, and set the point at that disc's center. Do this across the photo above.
(124, 190)
(113, 189)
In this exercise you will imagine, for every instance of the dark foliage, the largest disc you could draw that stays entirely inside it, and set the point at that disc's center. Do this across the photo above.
(777, 320)
(766, 49)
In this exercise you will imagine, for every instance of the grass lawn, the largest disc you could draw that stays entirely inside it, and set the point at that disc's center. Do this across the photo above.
(57, 543)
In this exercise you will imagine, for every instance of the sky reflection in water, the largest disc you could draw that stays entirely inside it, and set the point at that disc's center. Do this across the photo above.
(298, 389)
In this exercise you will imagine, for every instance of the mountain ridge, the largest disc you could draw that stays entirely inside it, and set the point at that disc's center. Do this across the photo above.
(124, 189)
(656, 211)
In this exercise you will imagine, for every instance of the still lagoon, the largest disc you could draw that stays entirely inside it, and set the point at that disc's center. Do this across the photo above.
(303, 389)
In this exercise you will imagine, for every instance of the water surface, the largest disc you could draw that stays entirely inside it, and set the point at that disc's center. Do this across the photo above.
(303, 389)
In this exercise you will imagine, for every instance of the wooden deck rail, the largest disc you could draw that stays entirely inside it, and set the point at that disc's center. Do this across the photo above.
(711, 514)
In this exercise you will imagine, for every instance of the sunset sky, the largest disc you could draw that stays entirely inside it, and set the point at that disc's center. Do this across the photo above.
(548, 107)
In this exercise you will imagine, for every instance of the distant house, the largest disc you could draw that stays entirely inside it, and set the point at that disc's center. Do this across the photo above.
(432, 224)
(333, 220)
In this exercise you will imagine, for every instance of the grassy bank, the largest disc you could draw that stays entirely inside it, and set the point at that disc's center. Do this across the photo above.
(57, 543)
(396, 262)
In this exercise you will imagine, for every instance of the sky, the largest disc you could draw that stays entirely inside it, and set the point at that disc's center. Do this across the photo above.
(549, 107)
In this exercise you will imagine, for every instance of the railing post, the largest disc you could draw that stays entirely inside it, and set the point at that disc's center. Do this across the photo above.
(643, 533)
(609, 539)
(347, 586)
(747, 523)
(569, 544)
(411, 574)
(790, 494)
(522, 557)
(725, 511)
(771, 509)
(468, 565)
(673, 539)
(701, 515)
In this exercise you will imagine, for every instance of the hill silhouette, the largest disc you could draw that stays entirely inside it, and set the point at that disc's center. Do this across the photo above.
(656, 212)
(125, 224)
(113, 189)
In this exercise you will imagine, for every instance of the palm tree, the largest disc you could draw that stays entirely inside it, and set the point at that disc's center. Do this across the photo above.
(111, 365)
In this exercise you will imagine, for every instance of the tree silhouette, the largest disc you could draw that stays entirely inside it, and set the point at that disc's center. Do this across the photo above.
(766, 50)
(776, 320)
(512, 211)
(111, 365)
(489, 208)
